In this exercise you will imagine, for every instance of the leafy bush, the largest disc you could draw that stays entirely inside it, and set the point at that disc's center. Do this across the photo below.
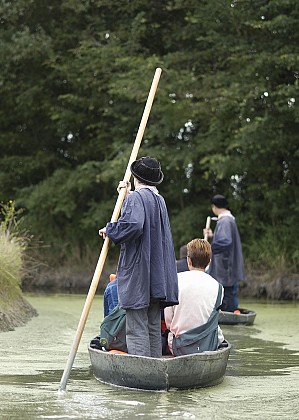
(274, 251)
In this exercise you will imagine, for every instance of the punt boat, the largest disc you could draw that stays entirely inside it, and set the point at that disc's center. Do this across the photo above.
(245, 317)
(181, 372)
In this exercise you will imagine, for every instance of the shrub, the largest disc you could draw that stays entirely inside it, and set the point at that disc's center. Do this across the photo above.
(275, 250)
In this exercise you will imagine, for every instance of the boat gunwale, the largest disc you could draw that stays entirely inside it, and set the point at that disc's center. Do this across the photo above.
(167, 359)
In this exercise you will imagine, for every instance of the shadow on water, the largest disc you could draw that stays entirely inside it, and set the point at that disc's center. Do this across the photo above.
(47, 377)
(252, 356)
(249, 357)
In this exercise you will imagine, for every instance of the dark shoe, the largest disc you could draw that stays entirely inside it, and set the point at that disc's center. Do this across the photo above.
(223, 345)
(96, 343)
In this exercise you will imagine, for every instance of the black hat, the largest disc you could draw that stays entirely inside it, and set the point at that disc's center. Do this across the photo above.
(220, 201)
(147, 170)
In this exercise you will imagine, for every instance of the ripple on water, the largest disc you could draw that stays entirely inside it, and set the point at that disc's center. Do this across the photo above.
(251, 356)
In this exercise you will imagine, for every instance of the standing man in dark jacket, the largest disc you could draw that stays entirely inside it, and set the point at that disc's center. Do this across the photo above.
(146, 274)
(181, 264)
(227, 264)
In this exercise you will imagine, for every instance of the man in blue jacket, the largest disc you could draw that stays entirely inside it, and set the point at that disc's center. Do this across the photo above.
(227, 265)
(110, 295)
(146, 273)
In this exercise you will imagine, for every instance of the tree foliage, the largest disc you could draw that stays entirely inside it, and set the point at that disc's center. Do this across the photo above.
(74, 80)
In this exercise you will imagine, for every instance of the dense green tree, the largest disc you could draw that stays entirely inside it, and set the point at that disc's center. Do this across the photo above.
(74, 81)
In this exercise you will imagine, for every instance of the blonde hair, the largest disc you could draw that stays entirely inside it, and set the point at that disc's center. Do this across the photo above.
(199, 251)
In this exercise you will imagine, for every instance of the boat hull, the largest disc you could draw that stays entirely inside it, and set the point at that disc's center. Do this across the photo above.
(246, 317)
(182, 372)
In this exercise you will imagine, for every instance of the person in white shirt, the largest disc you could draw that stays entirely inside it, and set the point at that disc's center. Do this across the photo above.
(198, 293)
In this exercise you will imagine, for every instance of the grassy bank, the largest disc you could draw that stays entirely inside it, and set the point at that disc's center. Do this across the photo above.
(69, 276)
(277, 283)
(14, 309)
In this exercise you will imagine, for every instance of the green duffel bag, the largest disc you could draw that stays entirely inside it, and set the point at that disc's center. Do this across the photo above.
(113, 330)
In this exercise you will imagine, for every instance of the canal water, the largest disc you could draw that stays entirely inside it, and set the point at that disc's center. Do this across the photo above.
(261, 381)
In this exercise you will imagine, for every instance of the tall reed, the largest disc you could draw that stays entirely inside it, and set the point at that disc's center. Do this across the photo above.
(12, 246)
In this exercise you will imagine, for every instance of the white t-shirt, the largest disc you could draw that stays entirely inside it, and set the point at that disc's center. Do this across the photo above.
(197, 297)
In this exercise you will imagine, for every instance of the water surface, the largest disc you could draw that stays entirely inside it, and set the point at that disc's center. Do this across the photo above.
(261, 380)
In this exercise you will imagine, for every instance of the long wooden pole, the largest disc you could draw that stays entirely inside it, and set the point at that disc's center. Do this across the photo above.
(208, 223)
(115, 215)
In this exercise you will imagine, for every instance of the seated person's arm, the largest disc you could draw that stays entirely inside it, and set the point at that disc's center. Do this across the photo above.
(168, 315)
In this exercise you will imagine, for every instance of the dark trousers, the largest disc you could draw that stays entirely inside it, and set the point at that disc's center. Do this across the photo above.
(235, 292)
(229, 299)
(143, 331)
